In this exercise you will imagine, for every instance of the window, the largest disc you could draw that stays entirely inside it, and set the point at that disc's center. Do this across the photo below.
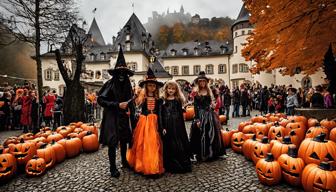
(185, 70)
(98, 74)
(236, 34)
(105, 74)
(173, 52)
(175, 70)
(236, 48)
(166, 69)
(185, 52)
(102, 56)
(235, 68)
(128, 37)
(243, 68)
(128, 46)
(249, 32)
(209, 69)
(196, 51)
(92, 57)
(132, 66)
(197, 69)
(48, 74)
(222, 68)
(243, 32)
(57, 75)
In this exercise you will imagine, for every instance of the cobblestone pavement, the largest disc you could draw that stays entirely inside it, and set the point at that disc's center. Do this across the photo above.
(90, 172)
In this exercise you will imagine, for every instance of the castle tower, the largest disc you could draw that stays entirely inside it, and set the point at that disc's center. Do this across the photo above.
(96, 35)
(182, 9)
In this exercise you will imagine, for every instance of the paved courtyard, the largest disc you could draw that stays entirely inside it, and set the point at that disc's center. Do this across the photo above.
(90, 172)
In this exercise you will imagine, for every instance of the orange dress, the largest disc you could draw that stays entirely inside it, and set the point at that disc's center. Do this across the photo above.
(146, 154)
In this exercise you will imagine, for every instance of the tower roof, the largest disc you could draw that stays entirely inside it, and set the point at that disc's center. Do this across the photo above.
(243, 16)
(96, 35)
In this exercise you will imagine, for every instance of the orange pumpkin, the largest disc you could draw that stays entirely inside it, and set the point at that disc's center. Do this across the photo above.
(90, 142)
(226, 137)
(48, 154)
(54, 137)
(273, 118)
(328, 124)
(276, 132)
(64, 131)
(222, 119)
(319, 177)
(291, 167)
(315, 150)
(258, 119)
(59, 151)
(26, 136)
(11, 140)
(237, 141)
(302, 119)
(248, 147)
(190, 113)
(315, 131)
(284, 122)
(296, 136)
(332, 135)
(72, 146)
(268, 170)
(260, 150)
(249, 131)
(93, 129)
(7, 165)
(23, 151)
(243, 124)
(261, 130)
(79, 124)
(279, 148)
(35, 166)
(312, 122)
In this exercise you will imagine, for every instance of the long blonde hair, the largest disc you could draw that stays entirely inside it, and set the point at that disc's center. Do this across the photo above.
(209, 92)
(178, 93)
(142, 94)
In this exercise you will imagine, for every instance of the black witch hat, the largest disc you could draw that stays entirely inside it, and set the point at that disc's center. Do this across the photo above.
(120, 65)
(150, 78)
(200, 76)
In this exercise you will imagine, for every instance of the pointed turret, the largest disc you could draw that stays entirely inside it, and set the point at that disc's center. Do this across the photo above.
(96, 35)
(243, 16)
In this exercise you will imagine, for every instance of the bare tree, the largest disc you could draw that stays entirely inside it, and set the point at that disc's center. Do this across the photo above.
(38, 21)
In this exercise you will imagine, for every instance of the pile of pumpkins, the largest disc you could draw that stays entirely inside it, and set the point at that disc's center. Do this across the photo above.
(298, 150)
(189, 115)
(42, 151)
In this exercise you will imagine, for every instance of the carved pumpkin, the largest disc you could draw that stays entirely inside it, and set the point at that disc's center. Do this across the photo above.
(7, 165)
(332, 135)
(11, 140)
(279, 148)
(319, 177)
(248, 147)
(26, 136)
(23, 151)
(222, 119)
(273, 118)
(261, 130)
(226, 137)
(295, 125)
(90, 142)
(190, 113)
(72, 146)
(249, 131)
(260, 150)
(315, 150)
(54, 137)
(237, 141)
(312, 122)
(48, 154)
(292, 167)
(276, 132)
(268, 170)
(258, 119)
(296, 136)
(315, 131)
(36, 166)
(295, 118)
(243, 124)
(284, 122)
(328, 124)
(59, 151)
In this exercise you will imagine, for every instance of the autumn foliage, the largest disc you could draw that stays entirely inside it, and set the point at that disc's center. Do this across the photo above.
(291, 35)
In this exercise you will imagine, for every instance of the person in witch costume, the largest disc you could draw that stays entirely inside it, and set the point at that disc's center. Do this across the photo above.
(145, 156)
(205, 138)
(116, 98)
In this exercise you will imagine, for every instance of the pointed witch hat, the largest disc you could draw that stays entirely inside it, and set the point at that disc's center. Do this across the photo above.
(200, 76)
(120, 65)
(150, 78)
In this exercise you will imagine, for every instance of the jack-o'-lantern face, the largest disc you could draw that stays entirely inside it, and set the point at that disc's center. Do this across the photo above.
(260, 150)
(276, 132)
(319, 177)
(237, 141)
(35, 166)
(268, 170)
(261, 130)
(48, 154)
(296, 136)
(10, 140)
(291, 167)
(317, 150)
(7, 165)
(315, 131)
(23, 151)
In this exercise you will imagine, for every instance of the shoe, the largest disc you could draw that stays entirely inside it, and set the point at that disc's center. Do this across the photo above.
(115, 173)
(125, 164)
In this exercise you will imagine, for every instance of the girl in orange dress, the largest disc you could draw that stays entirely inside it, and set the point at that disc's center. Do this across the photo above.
(146, 155)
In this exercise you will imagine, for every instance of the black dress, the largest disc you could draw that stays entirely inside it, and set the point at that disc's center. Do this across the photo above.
(205, 141)
(176, 148)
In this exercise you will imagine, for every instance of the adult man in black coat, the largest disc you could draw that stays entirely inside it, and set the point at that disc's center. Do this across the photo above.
(118, 117)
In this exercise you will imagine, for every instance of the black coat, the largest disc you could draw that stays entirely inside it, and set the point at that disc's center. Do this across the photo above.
(116, 124)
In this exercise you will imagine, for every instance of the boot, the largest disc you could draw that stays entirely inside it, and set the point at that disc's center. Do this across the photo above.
(112, 158)
(123, 150)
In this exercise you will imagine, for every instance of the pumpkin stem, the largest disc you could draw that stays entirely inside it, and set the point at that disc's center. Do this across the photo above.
(264, 140)
(21, 140)
(320, 138)
(292, 152)
(325, 166)
(43, 146)
(269, 157)
(53, 141)
(286, 140)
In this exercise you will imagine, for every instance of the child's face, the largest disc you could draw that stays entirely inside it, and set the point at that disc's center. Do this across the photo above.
(151, 87)
(171, 90)
(202, 83)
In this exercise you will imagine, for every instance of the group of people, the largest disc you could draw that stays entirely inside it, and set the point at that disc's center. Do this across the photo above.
(149, 127)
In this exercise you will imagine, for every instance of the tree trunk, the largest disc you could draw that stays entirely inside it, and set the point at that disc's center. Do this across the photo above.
(37, 49)
(74, 103)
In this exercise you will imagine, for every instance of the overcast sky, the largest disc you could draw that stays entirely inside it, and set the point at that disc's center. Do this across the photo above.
(111, 15)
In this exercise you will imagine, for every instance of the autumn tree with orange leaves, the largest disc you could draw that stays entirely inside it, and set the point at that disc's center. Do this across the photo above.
(291, 35)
